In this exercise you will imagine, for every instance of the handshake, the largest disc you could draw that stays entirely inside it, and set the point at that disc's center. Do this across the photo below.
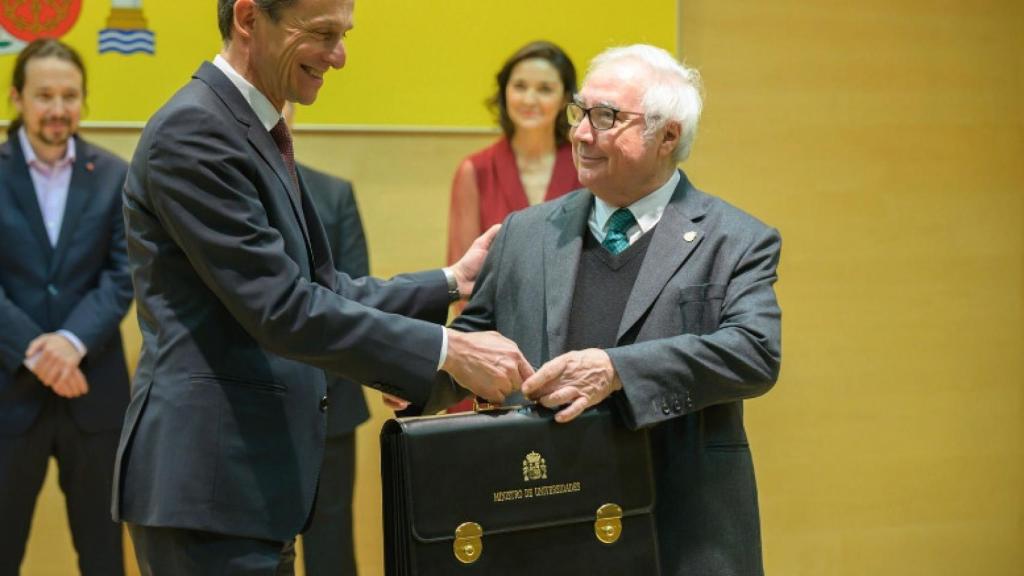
(492, 367)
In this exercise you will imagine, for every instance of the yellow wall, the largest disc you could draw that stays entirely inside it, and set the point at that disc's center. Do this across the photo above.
(884, 140)
(410, 62)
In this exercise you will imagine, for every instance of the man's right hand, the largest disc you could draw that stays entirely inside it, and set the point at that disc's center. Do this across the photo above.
(70, 383)
(54, 360)
(486, 363)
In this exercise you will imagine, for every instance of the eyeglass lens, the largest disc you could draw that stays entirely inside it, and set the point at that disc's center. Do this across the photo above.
(601, 117)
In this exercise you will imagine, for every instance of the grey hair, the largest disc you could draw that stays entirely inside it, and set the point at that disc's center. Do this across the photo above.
(674, 95)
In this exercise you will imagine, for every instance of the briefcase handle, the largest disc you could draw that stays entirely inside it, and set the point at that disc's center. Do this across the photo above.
(481, 405)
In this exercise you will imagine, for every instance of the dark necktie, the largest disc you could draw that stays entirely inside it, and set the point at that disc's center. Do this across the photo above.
(617, 240)
(283, 138)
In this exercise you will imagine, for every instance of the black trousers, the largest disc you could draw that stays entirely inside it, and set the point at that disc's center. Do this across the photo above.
(327, 547)
(179, 552)
(86, 469)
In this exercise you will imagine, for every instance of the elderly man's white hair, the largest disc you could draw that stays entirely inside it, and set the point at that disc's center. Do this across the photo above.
(673, 95)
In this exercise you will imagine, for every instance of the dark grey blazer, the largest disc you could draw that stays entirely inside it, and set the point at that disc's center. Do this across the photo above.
(700, 333)
(81, 284)
(241, 311)
(336, 206)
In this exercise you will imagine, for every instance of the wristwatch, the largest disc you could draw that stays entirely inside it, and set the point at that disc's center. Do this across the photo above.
(453, 285)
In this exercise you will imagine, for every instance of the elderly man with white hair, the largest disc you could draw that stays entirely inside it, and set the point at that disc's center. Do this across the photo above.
(643, 291)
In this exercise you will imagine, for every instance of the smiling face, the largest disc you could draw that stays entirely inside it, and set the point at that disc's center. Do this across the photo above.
(289, 57)
(50, 102)
(620, 165)
(534, 96)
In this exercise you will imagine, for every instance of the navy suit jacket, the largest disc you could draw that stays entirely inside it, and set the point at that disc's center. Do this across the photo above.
(81, 285)
(336, 206)
(241, 311)
(699, 334)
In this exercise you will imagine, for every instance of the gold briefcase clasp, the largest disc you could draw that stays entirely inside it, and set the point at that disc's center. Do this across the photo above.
(468, 543)
(608, 525)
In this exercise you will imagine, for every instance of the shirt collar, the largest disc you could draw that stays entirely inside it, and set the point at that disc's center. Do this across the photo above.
(647, 210)
(265, 111)
(34, 162)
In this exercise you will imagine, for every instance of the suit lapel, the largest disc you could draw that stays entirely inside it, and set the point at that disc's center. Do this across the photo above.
(675, 237)
(257, 136)
(78, 195)
(563, 242)
(20, 183)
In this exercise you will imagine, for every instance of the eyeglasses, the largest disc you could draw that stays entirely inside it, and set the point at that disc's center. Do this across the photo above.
(601, 117)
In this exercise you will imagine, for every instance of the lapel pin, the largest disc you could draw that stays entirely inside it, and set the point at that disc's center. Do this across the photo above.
(89, 166)
(689, 236)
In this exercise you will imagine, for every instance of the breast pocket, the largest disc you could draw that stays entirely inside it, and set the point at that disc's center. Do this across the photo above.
(701, 307)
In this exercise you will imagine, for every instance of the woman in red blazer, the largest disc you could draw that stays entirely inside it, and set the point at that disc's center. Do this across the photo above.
(532, 162)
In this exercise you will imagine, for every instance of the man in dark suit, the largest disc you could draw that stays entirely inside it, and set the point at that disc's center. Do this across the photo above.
(241, 310)
(327, 547)
(64, 288)
(656, 296)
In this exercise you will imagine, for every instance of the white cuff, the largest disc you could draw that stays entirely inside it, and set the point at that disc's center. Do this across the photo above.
(74, 341)
(444, 347)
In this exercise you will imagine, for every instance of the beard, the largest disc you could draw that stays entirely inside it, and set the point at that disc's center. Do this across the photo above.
(55, 131)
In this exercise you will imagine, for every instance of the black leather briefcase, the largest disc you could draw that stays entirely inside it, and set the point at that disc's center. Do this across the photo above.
(510, 491)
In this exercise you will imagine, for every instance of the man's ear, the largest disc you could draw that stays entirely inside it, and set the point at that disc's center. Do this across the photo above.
(244, 18)
(670, 138)
(15, 99)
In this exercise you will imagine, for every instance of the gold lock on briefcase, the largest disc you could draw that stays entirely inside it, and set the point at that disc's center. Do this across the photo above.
(509, 491)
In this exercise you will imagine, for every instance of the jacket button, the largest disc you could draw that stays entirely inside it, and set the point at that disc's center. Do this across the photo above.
(324, 403)
(52, 289)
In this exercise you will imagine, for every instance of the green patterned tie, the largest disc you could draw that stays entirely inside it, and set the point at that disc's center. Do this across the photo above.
(616, 240)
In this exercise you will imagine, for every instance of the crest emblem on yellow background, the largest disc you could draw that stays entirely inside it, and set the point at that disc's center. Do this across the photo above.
(30, 19)
(126, 32)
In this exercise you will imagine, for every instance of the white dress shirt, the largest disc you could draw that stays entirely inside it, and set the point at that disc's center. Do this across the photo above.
(647, 211)
(51, 185)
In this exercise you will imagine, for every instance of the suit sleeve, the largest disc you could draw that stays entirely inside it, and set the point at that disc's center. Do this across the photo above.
(97, 316)
(740, 359)
(201, 185)
(354, 261)
(18, 331)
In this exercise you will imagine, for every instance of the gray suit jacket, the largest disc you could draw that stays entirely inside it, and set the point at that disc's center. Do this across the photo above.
(700, 333)
(241, 311)
(336, 206)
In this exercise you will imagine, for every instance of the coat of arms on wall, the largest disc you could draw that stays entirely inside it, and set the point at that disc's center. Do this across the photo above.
(25, 20)
(126, 31)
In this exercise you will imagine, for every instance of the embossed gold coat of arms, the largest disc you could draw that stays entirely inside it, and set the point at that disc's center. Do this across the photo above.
(534, 467)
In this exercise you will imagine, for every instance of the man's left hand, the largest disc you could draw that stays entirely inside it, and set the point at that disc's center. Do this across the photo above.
(580, 379)
(468, 267)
